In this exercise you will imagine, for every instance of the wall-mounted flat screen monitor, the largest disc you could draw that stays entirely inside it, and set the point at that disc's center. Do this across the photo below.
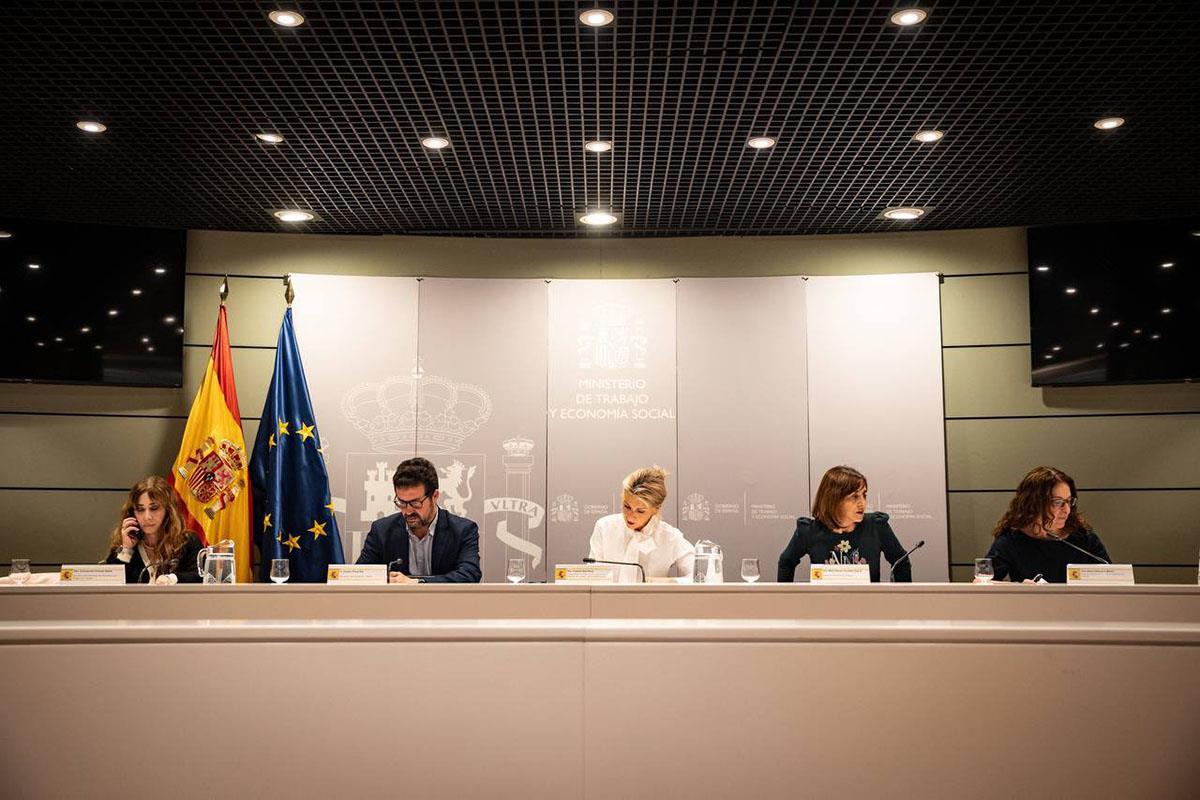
(1115, 303)
(91, 304)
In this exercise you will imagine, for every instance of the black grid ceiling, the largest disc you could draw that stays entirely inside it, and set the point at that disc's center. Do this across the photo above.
(519, 87)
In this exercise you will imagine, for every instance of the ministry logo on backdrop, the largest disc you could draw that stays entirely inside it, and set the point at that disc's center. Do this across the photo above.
(613, 337)
(565, 508)
(696, 508)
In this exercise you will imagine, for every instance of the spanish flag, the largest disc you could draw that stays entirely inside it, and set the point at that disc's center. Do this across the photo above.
(210, 472)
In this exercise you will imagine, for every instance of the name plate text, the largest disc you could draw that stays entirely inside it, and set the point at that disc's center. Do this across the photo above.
(839, 573)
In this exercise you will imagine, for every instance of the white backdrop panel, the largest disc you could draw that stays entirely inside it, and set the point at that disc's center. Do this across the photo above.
(743, 415)
(875, 401)
(358, 340)
(611, 400)
(482, 417)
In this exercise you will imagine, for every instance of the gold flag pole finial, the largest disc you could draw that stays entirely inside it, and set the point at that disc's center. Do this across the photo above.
(289, 293)
(224, 289)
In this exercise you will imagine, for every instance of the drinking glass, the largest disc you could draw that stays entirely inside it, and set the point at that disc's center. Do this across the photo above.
(984, 571)
(280, 570)
(516, 570)
(750, 570)
(20, 570)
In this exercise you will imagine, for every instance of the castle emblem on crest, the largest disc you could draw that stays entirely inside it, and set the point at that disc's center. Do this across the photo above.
(613, 337)
(565, 508)
(389, 413)
(696, 508)
(213, 474)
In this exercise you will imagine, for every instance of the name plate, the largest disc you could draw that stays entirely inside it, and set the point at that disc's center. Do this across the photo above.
(357, 574)
(92, 574)
(839, 573)
(583, 573)
(1100, 574)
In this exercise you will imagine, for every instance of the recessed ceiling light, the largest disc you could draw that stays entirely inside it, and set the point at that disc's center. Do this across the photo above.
(160, 270)
(1095, 309)
(293, 215)
(179, 330)
(35, 266)
(928, 136)
(596, 17)
(1195, 233)
(760, 142)
(269, 138)
(112, 312)
(31, 318)
(1137, 331)
(91, 126)
(168, 320)
(85, 329)
(435, 142)
(1047, 356)
(287, 19)
(904, 213)
(1166, 311)
(150, 349)
(1116, 323)
(598, 146)
(5, 235)
(1070, 290)
(598, 217)
(1154, 336)
(904, 17)
(1043, 268)
(97, 347)
(1109, 123)
(58, 338)
(1100, 346)
(1168, 264)
(136, 292)
(41, 344)
(1056, 348)
(1124, 344)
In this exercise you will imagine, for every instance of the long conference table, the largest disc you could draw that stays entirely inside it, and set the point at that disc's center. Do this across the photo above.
(720, 691)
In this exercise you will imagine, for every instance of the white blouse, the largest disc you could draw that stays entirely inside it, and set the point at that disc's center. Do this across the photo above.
(656, 547)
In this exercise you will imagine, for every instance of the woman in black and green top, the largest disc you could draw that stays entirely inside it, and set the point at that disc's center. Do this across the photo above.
(842, 532)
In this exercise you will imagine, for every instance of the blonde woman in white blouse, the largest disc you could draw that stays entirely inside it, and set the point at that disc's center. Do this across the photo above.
(639, 535)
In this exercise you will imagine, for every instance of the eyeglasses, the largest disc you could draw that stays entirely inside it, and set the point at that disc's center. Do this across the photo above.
(1059, 503)
(403, 504)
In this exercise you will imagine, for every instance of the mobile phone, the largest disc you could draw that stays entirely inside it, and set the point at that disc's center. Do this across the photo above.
(136, 534)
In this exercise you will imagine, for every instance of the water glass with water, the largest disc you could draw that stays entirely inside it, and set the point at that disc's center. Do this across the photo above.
(280, 570)
(19, 571)
(750, 572)
(516, 570)
(984, 571)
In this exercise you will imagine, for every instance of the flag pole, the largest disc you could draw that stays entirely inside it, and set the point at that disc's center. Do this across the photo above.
(224, 291)
(289, 294)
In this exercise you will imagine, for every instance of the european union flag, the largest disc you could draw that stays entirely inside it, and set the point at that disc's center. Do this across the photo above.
(293, 514)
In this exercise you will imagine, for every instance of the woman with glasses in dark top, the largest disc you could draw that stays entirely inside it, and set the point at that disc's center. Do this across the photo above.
(1039, 533)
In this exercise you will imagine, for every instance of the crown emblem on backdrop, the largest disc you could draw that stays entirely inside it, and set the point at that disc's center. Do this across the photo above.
(389, 413)
(517, 446)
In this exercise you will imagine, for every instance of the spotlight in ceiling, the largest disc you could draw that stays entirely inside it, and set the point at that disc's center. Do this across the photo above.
(928, 137)
(904, 213)
(1168, 264)
(136, 292)
(112, 312)
(91, 126)
(597, 217)
(5, 235)
(1095, 309)
(1166, 311)
(1043, 268)
(1071, 290)
(598, 146)
(596, 17)
(760, 142)
(435, 142)
(160, 270)
(1109, 123)
(287, 19)
(293, 215)
(269, 138)
(35, 266)
(907, 17)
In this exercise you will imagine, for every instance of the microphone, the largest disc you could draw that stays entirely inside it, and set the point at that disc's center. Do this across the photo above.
(170, 563)
(619, 563)
(1063, 539)
(896, 563)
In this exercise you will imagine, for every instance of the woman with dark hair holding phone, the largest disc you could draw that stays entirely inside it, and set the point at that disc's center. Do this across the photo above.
(1039, 533)
(150, 540)
(841, 531)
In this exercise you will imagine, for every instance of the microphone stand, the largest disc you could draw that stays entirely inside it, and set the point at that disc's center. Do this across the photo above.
(1063, 539)
(896, 563)
(619, 563)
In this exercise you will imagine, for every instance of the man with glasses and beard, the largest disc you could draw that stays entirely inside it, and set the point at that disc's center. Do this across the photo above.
(422, 543)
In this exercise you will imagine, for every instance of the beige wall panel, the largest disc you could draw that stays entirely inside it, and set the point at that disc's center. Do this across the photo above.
(954, 252)
(57, 527)
(1099, 452)
(1136, 527)
(90, 399)
(255, 308)
(252, 370)
(995, 381)
(90, 452)
(992, 309)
